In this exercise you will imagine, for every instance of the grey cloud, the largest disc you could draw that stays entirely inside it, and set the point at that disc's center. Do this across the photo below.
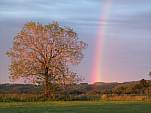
(58, 9)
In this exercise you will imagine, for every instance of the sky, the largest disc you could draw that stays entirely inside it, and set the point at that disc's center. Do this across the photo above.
(126, 50)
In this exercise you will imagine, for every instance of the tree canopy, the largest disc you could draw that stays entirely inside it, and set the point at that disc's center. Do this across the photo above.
(44, 53)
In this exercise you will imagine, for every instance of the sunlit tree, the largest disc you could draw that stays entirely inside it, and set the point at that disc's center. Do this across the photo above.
(45, 53)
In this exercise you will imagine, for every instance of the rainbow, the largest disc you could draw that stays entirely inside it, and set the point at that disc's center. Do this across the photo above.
(96, 71)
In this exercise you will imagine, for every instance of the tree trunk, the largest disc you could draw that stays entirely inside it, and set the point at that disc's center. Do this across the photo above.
(46, 90)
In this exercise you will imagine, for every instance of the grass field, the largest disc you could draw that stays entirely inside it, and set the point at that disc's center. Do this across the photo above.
(75, 107)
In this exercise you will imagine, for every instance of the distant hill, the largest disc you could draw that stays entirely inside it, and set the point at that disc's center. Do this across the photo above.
(19, 88)
(83, 88)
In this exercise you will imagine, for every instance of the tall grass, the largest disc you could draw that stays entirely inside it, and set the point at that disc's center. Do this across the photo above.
(21, 97)
(126, 97)
(40, 97)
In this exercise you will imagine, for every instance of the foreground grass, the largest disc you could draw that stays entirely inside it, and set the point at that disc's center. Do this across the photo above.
(75, 107)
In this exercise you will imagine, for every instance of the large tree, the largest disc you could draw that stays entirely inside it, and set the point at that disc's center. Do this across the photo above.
(45, 53)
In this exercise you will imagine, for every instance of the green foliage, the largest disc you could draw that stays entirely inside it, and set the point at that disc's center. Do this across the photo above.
(28, 92)
(20, 89)
(138, 88)
(150, 73)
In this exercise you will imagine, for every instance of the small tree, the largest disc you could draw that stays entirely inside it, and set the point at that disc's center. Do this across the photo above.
(44, 53)
(144, 83)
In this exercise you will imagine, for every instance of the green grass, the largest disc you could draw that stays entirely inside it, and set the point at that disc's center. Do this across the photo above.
(75, 107)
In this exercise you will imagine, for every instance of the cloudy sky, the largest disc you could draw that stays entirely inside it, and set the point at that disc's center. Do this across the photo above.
(127, 43)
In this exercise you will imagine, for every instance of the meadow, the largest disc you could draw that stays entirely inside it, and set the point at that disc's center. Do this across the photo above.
(76, 107)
